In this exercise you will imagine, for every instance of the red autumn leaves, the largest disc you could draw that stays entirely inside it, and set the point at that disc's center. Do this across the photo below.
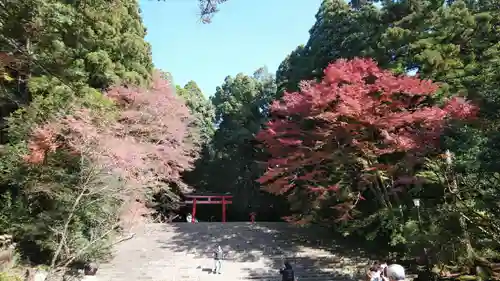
(357, 109)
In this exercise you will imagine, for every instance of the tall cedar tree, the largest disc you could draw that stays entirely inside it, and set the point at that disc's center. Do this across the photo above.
(358, 113)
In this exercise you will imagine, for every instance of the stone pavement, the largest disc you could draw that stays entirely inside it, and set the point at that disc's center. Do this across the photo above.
(183, 251)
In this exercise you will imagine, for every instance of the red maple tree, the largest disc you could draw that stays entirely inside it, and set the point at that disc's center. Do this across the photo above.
(337, 135)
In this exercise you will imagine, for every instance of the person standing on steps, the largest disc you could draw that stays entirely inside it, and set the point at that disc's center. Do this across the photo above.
(287, 273)
(218, 256)
(252, 217)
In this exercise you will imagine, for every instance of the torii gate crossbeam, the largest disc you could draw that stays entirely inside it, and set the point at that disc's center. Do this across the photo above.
(208, 199)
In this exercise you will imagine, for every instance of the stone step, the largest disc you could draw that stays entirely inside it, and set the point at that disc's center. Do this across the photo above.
(127, 277)
(303, 274)
(318, 276)
(324, 278)
(183, 251)
(296, 268)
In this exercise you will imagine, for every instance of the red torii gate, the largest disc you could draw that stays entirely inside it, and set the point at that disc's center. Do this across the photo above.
(208, 199)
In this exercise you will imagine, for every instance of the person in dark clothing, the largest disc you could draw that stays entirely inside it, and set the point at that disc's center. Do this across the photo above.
(287, 273)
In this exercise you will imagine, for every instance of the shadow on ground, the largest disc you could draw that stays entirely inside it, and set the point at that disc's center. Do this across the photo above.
(262, 248)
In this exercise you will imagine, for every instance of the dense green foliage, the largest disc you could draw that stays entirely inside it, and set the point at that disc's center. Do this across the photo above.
(201, 109)
(240, 110)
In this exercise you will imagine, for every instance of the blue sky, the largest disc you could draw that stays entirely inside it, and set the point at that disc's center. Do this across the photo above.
(244, 35)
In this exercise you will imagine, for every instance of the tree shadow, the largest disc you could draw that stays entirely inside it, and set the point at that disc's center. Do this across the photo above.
(260, 249)
(206, 269)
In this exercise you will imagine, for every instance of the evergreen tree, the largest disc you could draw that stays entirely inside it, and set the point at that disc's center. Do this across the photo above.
(229, 162)
(201, 108)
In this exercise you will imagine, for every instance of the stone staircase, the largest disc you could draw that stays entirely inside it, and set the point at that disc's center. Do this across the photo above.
(183, 252)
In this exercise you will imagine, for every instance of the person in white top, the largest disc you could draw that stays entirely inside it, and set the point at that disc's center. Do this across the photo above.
(189, 218)
(375, 271)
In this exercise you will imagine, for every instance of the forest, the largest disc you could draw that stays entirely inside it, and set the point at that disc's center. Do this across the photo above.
(383, 126)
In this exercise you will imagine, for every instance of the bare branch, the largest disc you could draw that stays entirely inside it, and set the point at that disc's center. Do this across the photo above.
(82, 250)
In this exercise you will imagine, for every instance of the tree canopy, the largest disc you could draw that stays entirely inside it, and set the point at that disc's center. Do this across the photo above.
(387, 102)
